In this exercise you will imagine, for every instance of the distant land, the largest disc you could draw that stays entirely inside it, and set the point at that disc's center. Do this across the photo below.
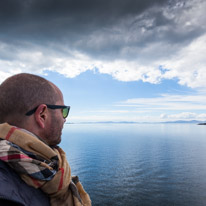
(201, 123)
(133, 122)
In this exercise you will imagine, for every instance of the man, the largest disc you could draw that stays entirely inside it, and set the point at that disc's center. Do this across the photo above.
(33, 169)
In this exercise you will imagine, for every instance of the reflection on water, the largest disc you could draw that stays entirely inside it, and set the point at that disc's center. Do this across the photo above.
(139, 164)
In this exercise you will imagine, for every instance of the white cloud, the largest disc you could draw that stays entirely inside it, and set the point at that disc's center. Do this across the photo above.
(184, 116)
(163, 108)
(168, 103)
(188, 65)
(137, 57)
(38, 60)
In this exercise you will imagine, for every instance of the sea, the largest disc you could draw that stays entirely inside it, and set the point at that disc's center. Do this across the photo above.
(139, 164)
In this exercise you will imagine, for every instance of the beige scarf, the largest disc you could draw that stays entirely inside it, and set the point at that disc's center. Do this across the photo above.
(38, 160)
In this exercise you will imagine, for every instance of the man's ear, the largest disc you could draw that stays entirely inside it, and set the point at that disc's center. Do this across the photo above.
(41, 115)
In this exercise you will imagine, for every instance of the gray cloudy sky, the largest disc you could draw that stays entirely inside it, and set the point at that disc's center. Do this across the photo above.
(131, 40)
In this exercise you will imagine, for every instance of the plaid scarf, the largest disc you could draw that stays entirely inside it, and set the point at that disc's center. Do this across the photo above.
(41, 166)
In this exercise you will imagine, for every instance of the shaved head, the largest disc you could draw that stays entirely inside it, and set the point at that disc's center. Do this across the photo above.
(21, 93)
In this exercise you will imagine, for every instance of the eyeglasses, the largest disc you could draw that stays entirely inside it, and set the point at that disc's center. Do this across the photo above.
(65, 109)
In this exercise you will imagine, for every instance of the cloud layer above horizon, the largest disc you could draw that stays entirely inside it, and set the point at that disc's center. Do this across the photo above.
(130, 40)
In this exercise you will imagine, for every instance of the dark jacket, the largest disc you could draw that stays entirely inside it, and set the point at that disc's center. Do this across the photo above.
(14, 191)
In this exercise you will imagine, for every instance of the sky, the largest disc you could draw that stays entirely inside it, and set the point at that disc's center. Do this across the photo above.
(114, 60)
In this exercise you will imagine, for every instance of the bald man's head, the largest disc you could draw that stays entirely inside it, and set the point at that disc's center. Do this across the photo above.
(21, 93)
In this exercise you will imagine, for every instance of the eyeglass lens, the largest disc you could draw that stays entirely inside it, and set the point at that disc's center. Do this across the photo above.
(65, 112)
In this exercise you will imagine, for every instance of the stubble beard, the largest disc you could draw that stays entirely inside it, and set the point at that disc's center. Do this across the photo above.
(55, 132)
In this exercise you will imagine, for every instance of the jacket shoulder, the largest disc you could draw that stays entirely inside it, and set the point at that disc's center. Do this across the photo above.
(14, 190)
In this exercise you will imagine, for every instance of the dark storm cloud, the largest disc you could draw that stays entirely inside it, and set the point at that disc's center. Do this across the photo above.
(104, 28)
(80, 10)
(45, 19)
(65, 18)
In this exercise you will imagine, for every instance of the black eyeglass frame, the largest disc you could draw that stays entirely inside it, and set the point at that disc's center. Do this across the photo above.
(50, 106)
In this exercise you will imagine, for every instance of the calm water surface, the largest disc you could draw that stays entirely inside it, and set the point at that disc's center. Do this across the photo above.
(139, 164)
